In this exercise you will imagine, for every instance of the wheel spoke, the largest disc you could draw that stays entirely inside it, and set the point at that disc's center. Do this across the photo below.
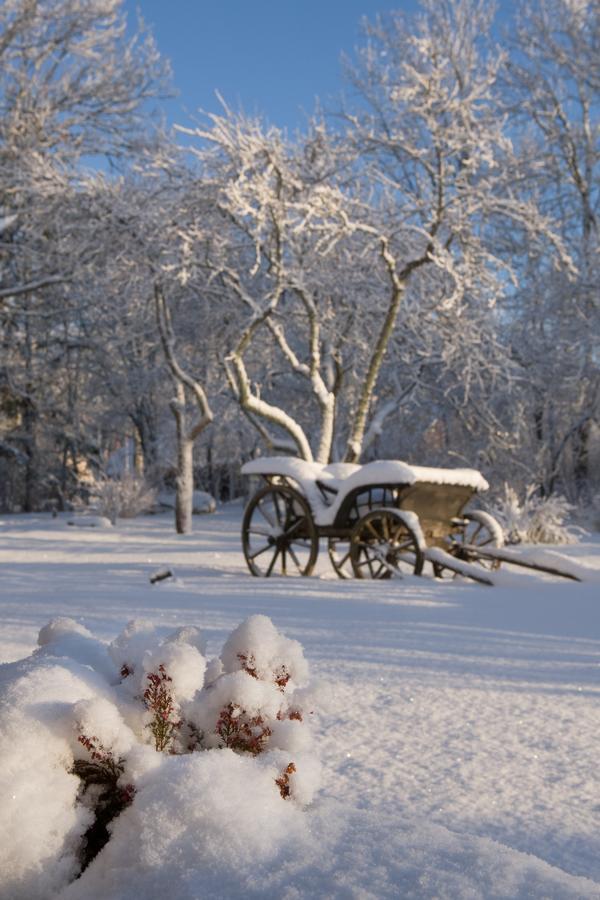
(260, 507)
(260, 531)
(398, 531)
(473, 539)
(294, 557)
(383, 544)
(478, 532)
(344, 559)
(258, 552)
(373, 531)
(293, 527)
(278, 516)
(339, 550)
(272, 563)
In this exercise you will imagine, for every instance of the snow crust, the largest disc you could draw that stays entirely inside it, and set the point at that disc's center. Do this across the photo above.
(346, 477)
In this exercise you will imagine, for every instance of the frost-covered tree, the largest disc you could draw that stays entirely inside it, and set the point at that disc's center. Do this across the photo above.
(404, 279)
(416, 191)
(155, 289)
(73, 89)
(72, 86)
(553, 81)
(282, 217)
(436, 152)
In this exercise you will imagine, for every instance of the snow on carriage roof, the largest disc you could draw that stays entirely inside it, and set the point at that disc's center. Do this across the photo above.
(345, 476)
(465, 477)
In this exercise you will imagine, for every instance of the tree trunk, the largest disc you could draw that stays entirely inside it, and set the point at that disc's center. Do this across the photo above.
(185, 436)
(357, 434)
(31, 480)
(185, 485)
(398, 282)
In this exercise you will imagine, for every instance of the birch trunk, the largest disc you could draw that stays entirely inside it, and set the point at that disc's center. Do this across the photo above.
(186, 434)
(184, 493)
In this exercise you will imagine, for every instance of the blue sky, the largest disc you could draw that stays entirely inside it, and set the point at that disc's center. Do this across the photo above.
(271, 57)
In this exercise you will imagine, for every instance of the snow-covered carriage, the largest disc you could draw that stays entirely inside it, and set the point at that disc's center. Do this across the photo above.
(379, 519)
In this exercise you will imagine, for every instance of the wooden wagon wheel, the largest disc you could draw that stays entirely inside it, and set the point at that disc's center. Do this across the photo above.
(382, 544)
(479, 529)
(278, 533)
(338, 549)
(363, 502)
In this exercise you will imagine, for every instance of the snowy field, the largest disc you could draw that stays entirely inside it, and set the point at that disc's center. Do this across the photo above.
(458, 727)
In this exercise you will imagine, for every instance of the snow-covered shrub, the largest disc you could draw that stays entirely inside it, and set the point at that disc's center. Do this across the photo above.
(534, 519)
(253, 704)
(105, 749)
(126, 497)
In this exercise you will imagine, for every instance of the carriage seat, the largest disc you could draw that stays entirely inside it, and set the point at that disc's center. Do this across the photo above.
(332, 477)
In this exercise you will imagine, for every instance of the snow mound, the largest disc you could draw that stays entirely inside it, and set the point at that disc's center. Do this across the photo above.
(191, 850)
(202, 502)
(105, 769)
(197, 823)
(257, 644)
(89, 522)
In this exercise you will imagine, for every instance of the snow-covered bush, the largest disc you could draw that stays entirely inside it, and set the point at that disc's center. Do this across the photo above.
(534, 519)
(107, 750)
(126, 497)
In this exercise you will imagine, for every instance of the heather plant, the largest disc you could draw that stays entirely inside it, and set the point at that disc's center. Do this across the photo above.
(100, 773)
(240, 732)
(159, 701)
(150, 719)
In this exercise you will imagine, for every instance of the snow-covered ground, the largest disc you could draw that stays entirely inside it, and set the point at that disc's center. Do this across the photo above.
(459, 729)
